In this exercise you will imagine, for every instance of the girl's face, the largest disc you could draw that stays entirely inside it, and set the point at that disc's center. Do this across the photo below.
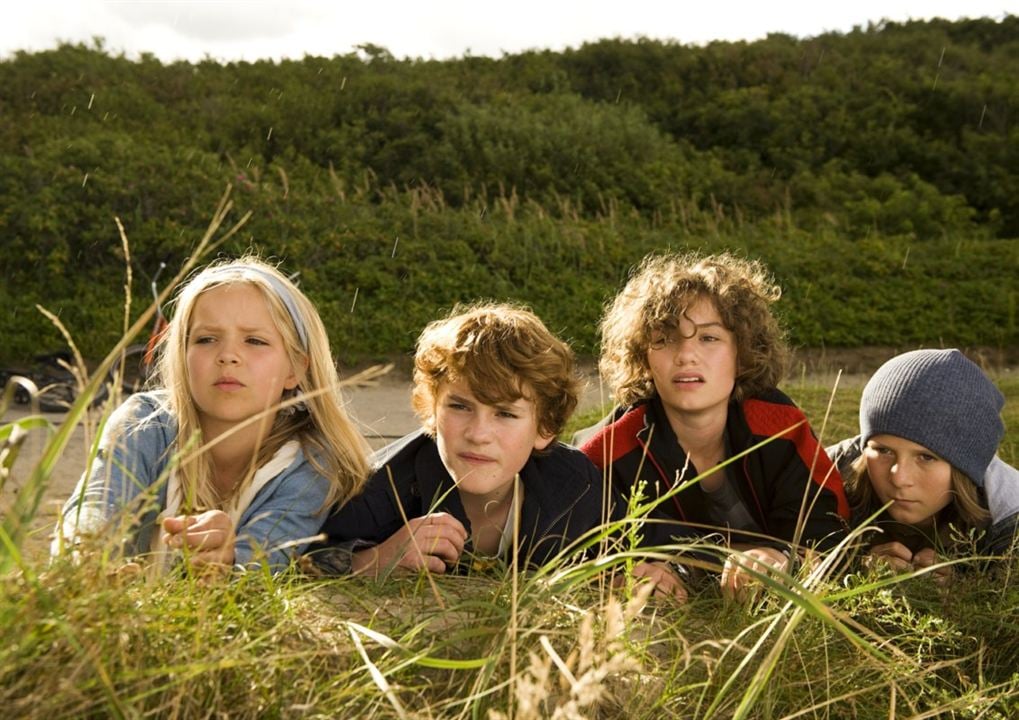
(237, 363)
(916, 481)
(484, 446)
(694, 366)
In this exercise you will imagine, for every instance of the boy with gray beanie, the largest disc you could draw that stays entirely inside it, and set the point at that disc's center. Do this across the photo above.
(930, 425)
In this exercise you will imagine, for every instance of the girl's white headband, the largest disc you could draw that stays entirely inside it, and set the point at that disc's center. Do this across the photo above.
(281, 290)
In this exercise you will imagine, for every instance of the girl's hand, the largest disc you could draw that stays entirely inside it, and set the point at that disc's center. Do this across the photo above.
(663, 577)
(431, 541)
(737, 580)
(896, 555)
(210, 538)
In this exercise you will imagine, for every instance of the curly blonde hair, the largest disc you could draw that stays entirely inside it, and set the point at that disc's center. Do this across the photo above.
(503, 352)
(661, 290)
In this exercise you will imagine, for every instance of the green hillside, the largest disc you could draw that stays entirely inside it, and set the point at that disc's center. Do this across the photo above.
(876, 172)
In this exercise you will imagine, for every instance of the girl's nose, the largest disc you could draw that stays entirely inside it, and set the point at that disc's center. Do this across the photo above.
(227, 355)
(683, 350)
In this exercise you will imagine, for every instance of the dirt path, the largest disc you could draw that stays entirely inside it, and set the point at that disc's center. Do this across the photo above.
(383, 410)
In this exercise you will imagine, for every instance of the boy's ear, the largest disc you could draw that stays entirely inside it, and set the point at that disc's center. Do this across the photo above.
(543, 441)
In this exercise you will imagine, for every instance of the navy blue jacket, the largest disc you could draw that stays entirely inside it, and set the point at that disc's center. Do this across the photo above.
(562, 497)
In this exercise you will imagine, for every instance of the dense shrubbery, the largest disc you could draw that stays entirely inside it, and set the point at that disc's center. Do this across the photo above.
(875, 172)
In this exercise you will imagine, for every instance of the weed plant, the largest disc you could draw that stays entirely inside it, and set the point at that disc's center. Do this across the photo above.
(831, 640)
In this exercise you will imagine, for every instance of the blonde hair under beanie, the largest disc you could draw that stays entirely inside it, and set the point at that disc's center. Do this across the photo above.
(939, 399)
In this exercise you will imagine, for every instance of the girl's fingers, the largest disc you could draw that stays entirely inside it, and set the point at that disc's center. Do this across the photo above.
(210, 538)
(667, 584)
(210, 522)
(174, 525)
(206, 539)
(736, 578)
(665, 581)
(198, 539)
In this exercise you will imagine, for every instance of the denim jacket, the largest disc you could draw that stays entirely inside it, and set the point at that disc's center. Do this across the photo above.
(126, 489)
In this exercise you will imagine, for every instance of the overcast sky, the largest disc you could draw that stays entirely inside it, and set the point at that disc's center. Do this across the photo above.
(253, 29)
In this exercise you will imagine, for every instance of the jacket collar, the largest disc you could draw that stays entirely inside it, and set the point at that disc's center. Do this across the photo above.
(545, 500)
(658, 435)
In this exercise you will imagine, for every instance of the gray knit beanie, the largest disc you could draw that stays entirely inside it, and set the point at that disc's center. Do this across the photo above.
(938, 399)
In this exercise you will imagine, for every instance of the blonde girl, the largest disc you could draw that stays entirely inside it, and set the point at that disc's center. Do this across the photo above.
(235, 457)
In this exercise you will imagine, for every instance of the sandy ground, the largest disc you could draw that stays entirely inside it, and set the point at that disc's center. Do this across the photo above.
(382, 409)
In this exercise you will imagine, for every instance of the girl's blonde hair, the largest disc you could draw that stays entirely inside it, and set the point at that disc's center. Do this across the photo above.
(965, 511)
(661, 291)
(329, 439)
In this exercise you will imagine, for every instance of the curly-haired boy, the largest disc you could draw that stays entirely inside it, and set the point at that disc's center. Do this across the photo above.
(694, 355)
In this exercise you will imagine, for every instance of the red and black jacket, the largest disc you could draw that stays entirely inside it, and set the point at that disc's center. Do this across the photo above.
(775, 481)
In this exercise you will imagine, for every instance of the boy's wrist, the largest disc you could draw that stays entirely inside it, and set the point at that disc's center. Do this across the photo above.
(364, 561)
(350, 557)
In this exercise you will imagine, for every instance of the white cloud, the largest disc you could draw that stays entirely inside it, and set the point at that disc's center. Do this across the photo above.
(252, 29)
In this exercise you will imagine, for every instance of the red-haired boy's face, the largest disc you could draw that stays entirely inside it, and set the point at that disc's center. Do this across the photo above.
(484, 446)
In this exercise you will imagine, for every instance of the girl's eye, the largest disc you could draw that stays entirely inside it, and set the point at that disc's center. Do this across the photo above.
(256, 341)
(928, 458)
(709, 338)
(507, 414)
(203, 340)
(453, 405)
(658, 342)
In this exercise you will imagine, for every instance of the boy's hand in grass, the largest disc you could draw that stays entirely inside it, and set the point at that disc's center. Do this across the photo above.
(209, 537)
(902, 559)
(737, 580)
(431, 541)
(665, 580)
(894, 554)
(927, 557)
